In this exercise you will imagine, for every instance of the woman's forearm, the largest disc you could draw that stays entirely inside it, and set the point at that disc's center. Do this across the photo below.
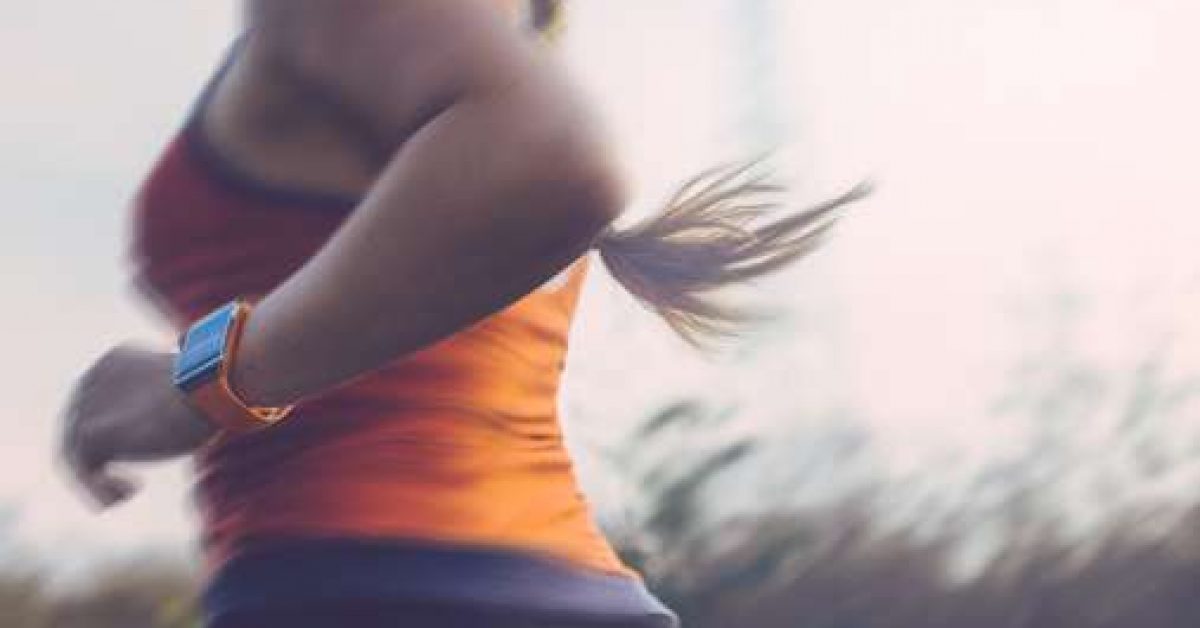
(503, 185)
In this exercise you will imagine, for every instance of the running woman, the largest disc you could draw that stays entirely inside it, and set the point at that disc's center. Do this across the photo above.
(371, 234)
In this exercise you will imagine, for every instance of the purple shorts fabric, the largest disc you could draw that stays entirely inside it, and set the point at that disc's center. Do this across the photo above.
(369, 583)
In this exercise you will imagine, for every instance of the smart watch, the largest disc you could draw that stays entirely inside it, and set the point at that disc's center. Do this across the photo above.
(207, 351)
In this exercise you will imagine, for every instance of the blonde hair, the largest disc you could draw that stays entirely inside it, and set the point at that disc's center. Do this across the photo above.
(719, 229)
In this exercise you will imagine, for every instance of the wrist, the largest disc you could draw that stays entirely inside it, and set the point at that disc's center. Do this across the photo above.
(245, 373)
(210, 351)
(192, 424)
(252, 375)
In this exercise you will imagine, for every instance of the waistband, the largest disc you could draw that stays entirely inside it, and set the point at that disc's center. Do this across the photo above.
(313, 571)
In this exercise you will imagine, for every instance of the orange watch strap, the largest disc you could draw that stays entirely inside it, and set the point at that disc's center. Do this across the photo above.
(220, 403)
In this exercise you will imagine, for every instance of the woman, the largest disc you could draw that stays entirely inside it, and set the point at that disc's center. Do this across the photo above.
(405, 191)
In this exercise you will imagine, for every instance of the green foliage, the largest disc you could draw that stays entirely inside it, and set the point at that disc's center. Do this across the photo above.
(22, 601)
(835, 569)
(848, 564)
(134, 594)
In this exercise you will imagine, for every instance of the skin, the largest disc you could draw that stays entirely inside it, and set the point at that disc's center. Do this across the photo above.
(484, 175)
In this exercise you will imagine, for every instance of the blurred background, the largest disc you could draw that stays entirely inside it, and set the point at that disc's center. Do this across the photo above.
(977, 405)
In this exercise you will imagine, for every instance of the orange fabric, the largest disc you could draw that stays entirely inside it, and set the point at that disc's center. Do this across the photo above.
(458, 443)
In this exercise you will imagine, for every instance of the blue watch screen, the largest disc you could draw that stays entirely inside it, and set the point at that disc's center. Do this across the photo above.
(203, 348)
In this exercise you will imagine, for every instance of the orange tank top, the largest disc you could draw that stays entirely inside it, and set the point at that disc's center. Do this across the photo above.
(459, 443)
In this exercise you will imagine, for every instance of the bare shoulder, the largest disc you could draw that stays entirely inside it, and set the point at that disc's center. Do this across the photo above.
(393, 66)
(322, 89)
(394, 59)
(274, 130)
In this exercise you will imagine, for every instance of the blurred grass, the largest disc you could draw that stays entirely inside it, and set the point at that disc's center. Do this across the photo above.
(144, 593)
(827, 568)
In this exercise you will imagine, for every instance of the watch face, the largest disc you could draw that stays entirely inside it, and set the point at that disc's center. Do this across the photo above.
(203, 348)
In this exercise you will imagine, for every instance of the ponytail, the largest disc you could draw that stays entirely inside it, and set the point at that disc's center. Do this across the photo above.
(715, 232)
(712, 234)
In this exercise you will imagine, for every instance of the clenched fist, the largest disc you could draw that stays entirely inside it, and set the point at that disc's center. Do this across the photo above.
(125, 408)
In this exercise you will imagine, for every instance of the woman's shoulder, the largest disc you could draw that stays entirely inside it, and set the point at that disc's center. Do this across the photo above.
(271, 129)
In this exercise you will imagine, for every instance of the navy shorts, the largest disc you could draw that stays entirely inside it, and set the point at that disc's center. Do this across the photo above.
(343, 583)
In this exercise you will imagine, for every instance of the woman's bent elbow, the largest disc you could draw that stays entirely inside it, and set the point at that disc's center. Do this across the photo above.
(589, 185)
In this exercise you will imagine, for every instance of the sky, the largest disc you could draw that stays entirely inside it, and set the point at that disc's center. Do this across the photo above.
(1034, 202)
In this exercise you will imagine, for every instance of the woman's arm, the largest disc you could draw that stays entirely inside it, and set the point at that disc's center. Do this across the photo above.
(504, 181)
(496, 181)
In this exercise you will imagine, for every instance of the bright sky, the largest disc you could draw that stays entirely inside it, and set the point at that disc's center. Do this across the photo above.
(1022, 149)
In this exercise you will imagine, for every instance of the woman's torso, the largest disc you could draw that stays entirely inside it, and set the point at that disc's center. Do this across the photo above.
(456, 446)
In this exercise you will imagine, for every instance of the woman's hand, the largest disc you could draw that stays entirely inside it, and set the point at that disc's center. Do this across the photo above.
(125, 408)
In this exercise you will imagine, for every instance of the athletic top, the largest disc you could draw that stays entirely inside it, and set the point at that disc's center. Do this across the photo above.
(453, 451)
